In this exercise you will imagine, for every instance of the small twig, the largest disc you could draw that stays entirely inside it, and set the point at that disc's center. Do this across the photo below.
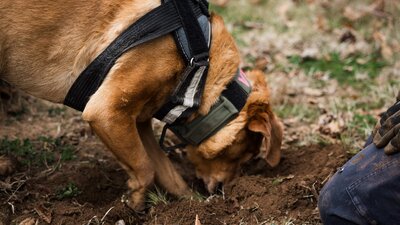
(12, 207)
(308, 188)
(263, 223)
(223, 193)
(15, 191)
(102, 220)
(50, 170)
(93, 218)
(308, 196)
(210, 198)
(326, 178)
(74, 202)
(105, 215)
(314, 190)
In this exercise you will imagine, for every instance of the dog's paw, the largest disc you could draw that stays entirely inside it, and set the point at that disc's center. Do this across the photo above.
(7, 166)
(135, 201)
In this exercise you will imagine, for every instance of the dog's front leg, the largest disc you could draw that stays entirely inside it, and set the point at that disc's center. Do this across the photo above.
(166, 174)
(116, 127)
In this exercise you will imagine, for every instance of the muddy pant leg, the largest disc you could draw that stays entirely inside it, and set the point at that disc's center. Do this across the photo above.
(366, 190)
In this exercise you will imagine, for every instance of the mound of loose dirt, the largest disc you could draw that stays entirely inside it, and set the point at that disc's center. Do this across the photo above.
(87, 189)
(261, 194)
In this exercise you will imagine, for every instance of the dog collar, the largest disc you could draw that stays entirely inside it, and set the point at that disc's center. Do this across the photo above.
(227, 108)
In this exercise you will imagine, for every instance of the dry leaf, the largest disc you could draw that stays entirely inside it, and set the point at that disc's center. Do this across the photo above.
(330, 125)
(322, 23)
(378, 5)
(44, 214)
(253, 25)
(261, 63)
(310, 53)
(376, 8)
(313, 92)
(29, 221)
(386, 50)
(197, 222)
(352, 14)
(120, 222)
(284, 9)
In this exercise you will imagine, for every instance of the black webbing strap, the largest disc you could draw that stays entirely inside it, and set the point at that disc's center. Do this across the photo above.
(197, 62)
(158, 22)
(196, 41)
(236, 94)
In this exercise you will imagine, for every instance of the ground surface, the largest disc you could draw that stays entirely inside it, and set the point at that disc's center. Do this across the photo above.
(332, 69)
(73, 180)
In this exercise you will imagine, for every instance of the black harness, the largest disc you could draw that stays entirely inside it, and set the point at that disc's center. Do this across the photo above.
(188, 20)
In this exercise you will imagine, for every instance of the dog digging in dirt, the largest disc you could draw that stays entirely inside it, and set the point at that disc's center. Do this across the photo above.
(125, 62)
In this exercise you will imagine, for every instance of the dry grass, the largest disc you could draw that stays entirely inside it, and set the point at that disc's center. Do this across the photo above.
(325, 59)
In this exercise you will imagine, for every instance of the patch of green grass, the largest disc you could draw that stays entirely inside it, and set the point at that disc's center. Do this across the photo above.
(198, 196)
(360, 127)
(23, 148)
(305, 113)
(366, 24)
(376, 104)
(343, 70)
(67, 152)
(37, 152)
(240, 13)
(348, 142)
(17, 114)
(320, 140)
(277, 181)
(69, 191)
(358, 130)
(363, 124)
(157, 197)
(56, 111)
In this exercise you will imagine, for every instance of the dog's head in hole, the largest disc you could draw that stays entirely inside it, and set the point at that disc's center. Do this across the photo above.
(255, 132)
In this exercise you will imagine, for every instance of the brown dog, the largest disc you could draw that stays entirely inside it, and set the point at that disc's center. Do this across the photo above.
(45, 45)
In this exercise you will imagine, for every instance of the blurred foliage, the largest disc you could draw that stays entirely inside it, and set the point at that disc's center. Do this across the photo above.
(344, 70)
(37, 152)
(69, 191)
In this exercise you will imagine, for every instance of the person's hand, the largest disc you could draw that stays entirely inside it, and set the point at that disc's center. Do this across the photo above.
(386, 133)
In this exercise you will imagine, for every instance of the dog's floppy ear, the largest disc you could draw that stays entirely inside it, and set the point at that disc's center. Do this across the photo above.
(262, 120)
(266, 123)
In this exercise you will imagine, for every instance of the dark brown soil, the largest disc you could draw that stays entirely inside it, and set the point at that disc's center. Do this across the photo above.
(286, 194)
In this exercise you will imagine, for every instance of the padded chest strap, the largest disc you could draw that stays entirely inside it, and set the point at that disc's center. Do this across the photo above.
(166, 18)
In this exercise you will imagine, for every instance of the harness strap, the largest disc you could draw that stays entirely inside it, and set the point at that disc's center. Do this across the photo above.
(230, 103)
(188, 20)
(196, 40)
(193, 39)
(160, 21)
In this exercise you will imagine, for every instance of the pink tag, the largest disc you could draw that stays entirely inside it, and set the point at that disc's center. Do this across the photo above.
(242, 78)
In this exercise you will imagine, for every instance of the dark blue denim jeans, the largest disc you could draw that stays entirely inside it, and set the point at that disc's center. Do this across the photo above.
(366, 190)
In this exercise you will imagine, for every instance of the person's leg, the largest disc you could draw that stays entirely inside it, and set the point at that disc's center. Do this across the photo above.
(366, 190)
